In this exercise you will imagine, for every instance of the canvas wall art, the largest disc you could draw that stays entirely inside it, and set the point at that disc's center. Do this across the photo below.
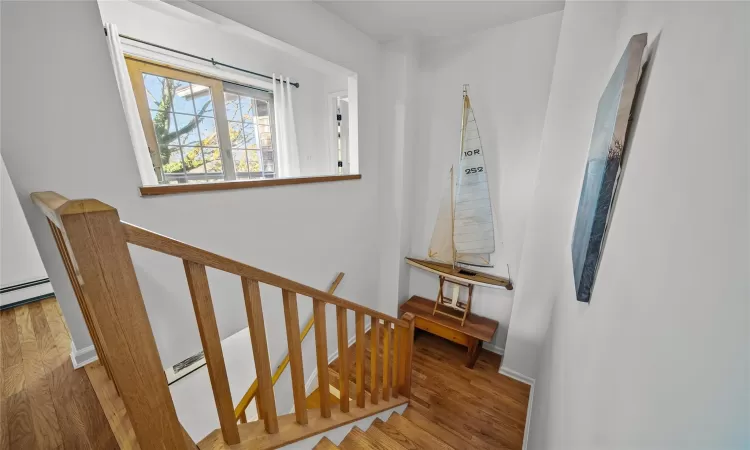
(603, 167)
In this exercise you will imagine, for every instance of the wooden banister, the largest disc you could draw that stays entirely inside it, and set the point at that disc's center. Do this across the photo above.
(407, 346)
(321, 352)
(343, 344)
(93, 244)
(211, 342)
(98, 248)
(359, 321)
(257, 328)
(75, 282)
(239, 411)
(374, 344)
(154, 241)
(294, 343)
(386, 361)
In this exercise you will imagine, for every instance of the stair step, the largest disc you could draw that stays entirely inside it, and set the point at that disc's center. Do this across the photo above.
(435, 429)
(390, 441)
(325, 444)
(394, 433)
(416, 435)
(358, 440)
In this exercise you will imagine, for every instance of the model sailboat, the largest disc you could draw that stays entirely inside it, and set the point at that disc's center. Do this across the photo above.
(464, 233)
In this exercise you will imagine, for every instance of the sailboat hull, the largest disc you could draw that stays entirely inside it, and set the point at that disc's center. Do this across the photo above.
(460, 274)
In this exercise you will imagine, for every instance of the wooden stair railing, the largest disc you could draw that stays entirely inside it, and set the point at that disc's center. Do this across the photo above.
(240, 409)
(93, 243)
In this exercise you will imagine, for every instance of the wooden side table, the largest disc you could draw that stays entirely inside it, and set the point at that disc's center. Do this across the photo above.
(475, 330)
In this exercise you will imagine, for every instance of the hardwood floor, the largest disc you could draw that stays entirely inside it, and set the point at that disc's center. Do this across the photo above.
(45, 404)
(463, 408)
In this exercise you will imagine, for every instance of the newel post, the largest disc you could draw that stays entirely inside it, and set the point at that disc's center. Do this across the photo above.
(98, 245)
(408, 353)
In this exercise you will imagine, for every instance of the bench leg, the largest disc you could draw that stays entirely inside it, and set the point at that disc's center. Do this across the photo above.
(475, 346)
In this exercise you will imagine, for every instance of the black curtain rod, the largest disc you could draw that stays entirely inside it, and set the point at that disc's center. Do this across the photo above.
(211, 60)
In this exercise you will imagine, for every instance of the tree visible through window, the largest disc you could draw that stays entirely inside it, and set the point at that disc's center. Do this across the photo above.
(194, 141)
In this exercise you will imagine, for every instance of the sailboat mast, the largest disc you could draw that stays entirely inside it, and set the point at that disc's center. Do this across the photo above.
(453, 219)
(453, 202)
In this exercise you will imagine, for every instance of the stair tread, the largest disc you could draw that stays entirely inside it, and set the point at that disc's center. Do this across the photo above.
(435, 429)
(396, 435)
(386, 442)
(419, 437)
(325, 444)
(358, 440)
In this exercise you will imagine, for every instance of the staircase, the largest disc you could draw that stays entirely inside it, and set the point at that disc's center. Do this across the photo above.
(397, 433)
(93, 243)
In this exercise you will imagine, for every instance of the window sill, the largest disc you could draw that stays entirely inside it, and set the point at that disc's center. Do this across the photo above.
(167, 189)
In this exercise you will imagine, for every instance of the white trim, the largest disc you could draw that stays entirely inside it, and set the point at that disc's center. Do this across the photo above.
(493, 348)
(81, 357)
(528, 419)
(531, 382)
(516, 375)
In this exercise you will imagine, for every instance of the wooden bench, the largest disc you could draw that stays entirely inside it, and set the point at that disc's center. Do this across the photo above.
(475, 330)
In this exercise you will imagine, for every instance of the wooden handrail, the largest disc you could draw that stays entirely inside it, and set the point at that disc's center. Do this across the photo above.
(93, 242)
(160, 243)
(239, 411)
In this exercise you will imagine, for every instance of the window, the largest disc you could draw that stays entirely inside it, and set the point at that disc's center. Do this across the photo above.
(249, 115)
(201, 129)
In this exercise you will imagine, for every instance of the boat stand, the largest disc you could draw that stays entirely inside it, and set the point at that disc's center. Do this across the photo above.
(453, 302)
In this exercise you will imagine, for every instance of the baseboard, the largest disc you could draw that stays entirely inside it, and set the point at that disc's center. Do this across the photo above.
(528, 419)
(531, 382)
(516, 376)
(25, 293)
(83, 356)
(494, 349)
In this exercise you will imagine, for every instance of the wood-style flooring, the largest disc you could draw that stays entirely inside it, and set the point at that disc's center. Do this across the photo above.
(44, 403)
(464, 408)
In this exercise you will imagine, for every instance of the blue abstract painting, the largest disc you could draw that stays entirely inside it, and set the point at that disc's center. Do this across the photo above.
(603, 167)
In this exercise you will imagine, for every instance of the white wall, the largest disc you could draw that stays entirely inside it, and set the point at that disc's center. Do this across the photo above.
(399, 82)
(660, 357)
(509, 69)
(19, 258)
(307, 233)
(170, 26)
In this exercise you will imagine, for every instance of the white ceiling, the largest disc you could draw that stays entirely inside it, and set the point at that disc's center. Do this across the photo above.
(385, 20)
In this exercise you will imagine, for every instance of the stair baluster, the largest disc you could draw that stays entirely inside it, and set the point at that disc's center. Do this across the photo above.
(386, 361)
(321, 351)
(374, 343)
(359, 319)
(211, 343)
(295, 354)
(343, 341)
(257, 328)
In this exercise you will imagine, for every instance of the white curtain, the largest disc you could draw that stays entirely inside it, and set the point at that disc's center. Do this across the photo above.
(286, 135)
(137, 136)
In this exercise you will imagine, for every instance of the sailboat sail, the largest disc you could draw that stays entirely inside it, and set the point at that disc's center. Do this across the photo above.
(473, 228)
(441, 244)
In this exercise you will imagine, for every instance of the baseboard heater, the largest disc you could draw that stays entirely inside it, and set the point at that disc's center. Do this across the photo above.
(24, 293)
